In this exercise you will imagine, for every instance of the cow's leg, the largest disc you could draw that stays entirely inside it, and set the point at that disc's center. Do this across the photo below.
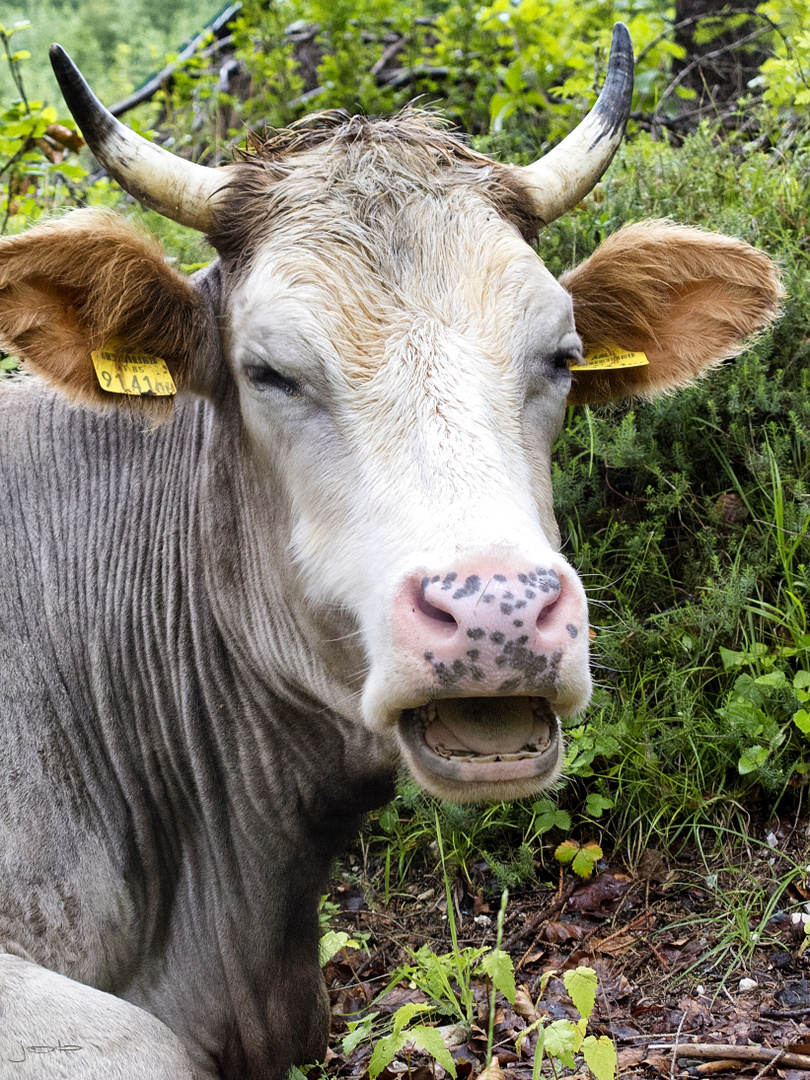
(52, 1028)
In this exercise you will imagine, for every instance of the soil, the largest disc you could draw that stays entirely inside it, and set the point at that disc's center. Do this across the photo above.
(675, 964)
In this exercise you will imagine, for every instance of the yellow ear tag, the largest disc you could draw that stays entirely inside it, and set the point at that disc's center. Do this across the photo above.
(122, 370)
(610, 356)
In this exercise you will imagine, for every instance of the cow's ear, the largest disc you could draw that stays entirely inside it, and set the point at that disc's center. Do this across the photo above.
(69, 288)
(687, 299)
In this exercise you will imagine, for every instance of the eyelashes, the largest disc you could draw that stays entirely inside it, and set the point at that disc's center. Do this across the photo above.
(266, 378)
(563, 359)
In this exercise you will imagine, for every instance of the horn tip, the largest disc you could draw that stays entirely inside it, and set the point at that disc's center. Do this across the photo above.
(59, 58)
(621, 35)
(621, 46)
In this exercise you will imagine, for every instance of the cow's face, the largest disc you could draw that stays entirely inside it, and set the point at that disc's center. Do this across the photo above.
(402, 358)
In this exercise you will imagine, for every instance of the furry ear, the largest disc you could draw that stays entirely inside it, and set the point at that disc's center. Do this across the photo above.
(686, 298)
(69, 287)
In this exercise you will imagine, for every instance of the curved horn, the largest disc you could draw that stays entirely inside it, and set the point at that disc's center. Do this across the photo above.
(566, 174)
(176, 188)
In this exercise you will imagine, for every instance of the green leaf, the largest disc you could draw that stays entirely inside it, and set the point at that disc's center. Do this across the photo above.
(514, 78)
(595, 804)
(406, 1013)
(581, 987)
(384, 1052)
(585, 859)
(562, 1041)
(537, 1064)
(71, 172)
(548, 816)
(751, 759)
(359, 1031)
(732, 659)
(431, 1041)
(773, 678)
(388, 818)
(332, 942)
(802, 721)
(566, 852)
(600, 1057)
(498, 966)
(801, 680)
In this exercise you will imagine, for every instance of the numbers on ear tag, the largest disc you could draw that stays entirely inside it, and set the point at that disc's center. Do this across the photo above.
(122, 370)
(603, 357)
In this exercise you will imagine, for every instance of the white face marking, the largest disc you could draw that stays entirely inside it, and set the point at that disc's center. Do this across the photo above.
(406, 385)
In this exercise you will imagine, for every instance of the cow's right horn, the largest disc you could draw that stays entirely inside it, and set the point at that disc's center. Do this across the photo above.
(566, 174)
(176, 188)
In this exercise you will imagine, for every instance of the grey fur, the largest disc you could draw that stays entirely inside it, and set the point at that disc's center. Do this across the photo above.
(168, 805)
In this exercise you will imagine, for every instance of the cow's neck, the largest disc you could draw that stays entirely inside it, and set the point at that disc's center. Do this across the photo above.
(218, 788)
(278, 776)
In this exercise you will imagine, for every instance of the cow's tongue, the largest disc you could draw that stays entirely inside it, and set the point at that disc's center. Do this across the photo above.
(482, 725)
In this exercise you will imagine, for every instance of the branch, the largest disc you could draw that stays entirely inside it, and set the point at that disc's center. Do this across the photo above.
(699, 61)
(723, 1051)
(166, 75)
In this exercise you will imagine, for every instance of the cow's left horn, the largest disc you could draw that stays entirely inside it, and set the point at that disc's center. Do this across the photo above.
(567, 173)
(176, 188)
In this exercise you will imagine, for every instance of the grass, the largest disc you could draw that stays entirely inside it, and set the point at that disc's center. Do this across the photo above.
(688, 520)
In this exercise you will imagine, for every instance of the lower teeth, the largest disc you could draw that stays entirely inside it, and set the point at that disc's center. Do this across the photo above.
(427, 714)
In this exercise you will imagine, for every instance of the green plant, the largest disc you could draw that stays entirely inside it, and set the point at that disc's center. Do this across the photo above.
(335, 941)
(581, 857)
(446, 979)
(33, 146)
(785, 74)
(742, 904)
(562, 1040)
(428, 1038)
(766, 709)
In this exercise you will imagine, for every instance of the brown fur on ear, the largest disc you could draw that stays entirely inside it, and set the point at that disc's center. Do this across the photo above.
(686, 298)
(68, 287)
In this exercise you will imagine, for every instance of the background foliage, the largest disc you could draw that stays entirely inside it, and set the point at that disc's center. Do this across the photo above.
(687, 518)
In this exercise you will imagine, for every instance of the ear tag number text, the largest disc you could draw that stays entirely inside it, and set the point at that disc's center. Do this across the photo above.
(121, 370)
(610, 356)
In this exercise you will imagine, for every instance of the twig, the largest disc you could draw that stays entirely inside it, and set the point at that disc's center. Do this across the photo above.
(700, 61)
(166, 75)
(785, 1014)
(675, 1047)
(715, 1051)
(776, 1057)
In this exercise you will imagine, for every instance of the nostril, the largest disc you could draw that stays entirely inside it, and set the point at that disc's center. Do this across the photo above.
(431, 612)
(551, 603)
(547, 613)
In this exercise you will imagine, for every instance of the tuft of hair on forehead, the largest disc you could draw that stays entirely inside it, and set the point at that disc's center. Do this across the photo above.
(362, 157)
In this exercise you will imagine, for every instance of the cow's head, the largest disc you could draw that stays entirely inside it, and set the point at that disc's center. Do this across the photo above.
(402, 361)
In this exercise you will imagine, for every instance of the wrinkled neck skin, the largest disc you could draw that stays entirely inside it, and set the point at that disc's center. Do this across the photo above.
(310, 653)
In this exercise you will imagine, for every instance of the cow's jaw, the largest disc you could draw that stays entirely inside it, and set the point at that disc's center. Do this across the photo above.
(481, 748)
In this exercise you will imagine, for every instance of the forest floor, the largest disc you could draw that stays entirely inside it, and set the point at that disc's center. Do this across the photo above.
(680, 961)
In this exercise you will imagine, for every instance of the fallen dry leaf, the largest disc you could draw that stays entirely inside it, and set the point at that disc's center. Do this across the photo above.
(494, 1072)
(524, 1006)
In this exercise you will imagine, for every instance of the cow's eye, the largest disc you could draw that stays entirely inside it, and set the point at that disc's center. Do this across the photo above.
(265, 378)
(562, 360)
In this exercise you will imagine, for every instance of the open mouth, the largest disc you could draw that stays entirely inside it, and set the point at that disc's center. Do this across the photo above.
(485, 739)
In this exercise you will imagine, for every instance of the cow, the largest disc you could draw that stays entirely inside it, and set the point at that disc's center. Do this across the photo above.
(271, 532)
